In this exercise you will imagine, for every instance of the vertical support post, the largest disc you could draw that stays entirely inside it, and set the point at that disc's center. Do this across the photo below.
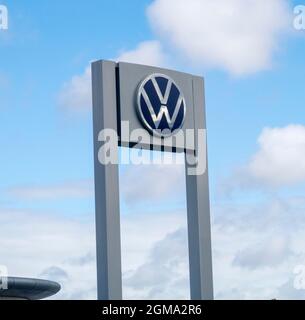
(198, 211)
(107, 207)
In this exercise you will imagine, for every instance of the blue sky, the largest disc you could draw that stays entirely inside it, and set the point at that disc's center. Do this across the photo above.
(254, 80)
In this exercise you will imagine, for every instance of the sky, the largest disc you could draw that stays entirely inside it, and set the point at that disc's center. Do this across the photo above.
(251, 58)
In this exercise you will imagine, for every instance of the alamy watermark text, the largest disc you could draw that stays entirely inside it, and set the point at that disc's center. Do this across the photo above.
(196, 161)
(299, 19)
(3, 17)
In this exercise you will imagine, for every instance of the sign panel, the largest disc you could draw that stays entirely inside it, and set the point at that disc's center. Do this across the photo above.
(157, 101)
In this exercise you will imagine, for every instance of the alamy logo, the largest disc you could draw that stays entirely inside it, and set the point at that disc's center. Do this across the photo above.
(3, 17)
(299, 20)
(161, 105)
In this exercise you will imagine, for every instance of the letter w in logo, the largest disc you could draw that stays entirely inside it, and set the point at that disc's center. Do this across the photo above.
(163, 101)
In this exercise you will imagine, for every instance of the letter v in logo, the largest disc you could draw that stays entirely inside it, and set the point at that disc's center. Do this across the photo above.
(161, 105)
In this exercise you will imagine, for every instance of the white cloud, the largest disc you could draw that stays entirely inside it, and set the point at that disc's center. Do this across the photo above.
(54, 247)
(151, 226)
(289, 292)
(76, 189)
(154, 249)
(36, 244)
(55, 273)
(280, 159)
(147, 52)
(278, 162)
(256, 248)
(240, 36)
(76, 93)
(165, 273)
(158, 183)
(269, 253)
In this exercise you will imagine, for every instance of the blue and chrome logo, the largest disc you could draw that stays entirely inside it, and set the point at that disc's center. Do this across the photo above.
(161, 105)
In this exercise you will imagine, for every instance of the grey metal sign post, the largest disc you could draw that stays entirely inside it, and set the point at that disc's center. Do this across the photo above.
(163, 104)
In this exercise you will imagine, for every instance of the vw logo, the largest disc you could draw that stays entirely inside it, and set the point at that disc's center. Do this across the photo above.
(161, 105)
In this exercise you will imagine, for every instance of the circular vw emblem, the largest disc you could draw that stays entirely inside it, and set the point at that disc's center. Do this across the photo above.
(161, 105)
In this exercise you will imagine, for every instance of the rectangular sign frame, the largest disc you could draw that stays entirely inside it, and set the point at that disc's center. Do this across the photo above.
(113, 89)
